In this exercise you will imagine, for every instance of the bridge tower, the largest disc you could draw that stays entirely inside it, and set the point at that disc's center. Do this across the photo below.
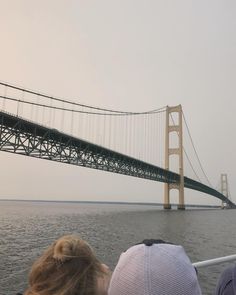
(224, 188)
(177, 127)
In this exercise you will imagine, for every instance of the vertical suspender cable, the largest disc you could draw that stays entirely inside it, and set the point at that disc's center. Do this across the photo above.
(53, 116)
(130, 133)
(76, 120)
(50, 112)
(104, 130)
(72, 123)
(32, 112)
(96, 129)
(121, 139)
(79, 126)
(17, 108)
(148, 148)
(22, 105)
(141, 124)
(4, 101)
(155, 138)
(131, 136)
(145, 138)
(43, 115)
(109, 136)
(159, 141)
(140, 137)
(152, 137)
(37, 109)
(126, 134)
(114, 133)
(163, 136)
(63, 117)
(135, 137)
(90, 127)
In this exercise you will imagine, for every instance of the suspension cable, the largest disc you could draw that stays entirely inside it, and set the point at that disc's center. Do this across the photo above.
(160, 110)
(187, 154)
(196, 151)
(73, 103)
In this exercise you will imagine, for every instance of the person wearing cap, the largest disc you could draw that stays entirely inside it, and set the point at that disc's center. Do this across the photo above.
(154, 267)
(227, 282)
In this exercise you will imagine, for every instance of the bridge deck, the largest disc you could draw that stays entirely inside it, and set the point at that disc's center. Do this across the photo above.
(20, 136)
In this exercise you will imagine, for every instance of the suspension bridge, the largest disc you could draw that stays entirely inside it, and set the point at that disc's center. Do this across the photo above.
(139, 144)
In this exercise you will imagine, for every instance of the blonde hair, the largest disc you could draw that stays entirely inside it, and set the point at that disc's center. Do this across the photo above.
(67, 267)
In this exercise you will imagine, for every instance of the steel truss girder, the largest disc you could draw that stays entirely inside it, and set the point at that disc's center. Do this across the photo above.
(26, 138)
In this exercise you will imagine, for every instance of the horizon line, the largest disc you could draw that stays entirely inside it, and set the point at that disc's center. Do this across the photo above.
(107, 202)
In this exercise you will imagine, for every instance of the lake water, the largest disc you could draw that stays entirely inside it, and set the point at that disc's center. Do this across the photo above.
(27, 228)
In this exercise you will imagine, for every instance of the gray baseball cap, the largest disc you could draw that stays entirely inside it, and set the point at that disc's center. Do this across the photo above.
(150, 269)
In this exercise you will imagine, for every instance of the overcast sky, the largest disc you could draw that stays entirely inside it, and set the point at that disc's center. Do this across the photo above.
(127, 55)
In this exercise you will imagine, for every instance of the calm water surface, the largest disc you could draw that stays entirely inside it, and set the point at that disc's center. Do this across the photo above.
(27, 228)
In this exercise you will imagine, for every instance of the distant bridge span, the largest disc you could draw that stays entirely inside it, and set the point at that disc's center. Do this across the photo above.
(20, 136)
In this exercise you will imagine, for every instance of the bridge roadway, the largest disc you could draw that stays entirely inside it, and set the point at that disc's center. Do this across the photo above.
(21, 136)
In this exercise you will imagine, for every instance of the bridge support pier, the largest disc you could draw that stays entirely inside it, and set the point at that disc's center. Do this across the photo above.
(174, 127)
(167, 204)
(224, 188)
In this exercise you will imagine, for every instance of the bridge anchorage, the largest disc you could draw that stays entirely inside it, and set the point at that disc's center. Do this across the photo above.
(69, 139)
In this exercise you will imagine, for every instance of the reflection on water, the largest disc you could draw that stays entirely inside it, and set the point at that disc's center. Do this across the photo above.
(27, 228)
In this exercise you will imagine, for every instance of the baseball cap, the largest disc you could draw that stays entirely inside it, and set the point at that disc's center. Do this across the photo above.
(152, 268)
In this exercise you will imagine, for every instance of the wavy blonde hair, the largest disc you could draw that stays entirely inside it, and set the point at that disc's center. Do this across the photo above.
(67, 267)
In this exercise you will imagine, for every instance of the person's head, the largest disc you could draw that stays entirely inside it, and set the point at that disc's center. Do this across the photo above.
(153, 268)
(227, 282)
(68, 266)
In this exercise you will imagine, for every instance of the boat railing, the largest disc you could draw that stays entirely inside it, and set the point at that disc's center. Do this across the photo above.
(214, 261)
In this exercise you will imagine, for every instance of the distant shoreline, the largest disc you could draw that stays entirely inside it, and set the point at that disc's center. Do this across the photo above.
(108, 203)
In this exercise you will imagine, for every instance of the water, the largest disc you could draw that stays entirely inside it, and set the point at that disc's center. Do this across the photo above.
(27, 228)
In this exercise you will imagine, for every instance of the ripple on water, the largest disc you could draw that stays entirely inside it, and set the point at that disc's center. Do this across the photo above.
(27, 228)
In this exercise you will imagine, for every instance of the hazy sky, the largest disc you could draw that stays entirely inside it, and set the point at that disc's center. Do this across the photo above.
(127, 55)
